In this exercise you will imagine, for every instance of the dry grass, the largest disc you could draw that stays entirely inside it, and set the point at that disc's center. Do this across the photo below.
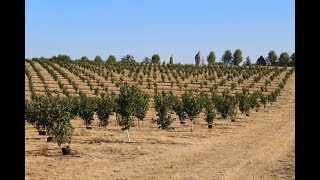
(259, 146)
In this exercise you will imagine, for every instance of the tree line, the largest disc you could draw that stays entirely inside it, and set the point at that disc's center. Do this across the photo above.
(228, 58)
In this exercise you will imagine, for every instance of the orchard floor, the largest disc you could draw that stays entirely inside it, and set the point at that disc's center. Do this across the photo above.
(259, 146)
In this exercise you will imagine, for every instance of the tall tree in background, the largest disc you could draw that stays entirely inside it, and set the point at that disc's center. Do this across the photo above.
(84, 59)
(111, 59)
(227, 57)
(272, 58)
(248, 61)
(155, 58)
(146, 60)
(197, 58)
(171, 59)
(292, 59)
(97, 59)
(237, 57)
(261, 61)
(284, 59)
(62, 57)
(211, 58)
(128, 59)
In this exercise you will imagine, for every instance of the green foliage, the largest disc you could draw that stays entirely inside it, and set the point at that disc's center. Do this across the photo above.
(209, 109)
(192, 105)
(87, 106)
(171, 60)
(248, 61)
(227, 57)
(237, 57)
(244, 105)
(261, 61)
(254, 100)
(284, 59)
(233, 86)
(146, 60)
(98, 59)
(111, 59)
(163, 103)
(225, 104)
(222, 82)
(197, 58)
(272, 58)
(211, 58)
(130, 102)
(128, 59)
(106, 105)
(292, 59)
(155, 59)
(240, 81)
(263, 99)
(51, 114)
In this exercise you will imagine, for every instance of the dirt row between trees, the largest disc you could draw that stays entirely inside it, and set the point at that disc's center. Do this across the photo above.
(259, 146)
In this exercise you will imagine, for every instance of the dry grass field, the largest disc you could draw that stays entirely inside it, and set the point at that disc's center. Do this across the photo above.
(259, 146)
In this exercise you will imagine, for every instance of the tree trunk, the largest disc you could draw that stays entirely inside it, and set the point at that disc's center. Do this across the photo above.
(191, 126)
(128, 135)
(139, 124)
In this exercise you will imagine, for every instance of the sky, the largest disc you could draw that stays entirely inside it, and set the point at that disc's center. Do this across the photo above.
(142, 28)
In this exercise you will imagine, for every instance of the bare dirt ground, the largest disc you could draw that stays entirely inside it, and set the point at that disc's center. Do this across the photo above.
(259, 146)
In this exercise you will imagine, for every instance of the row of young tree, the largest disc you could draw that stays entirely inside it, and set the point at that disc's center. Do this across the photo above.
(228, 57)
(53, 114)
(100, 74)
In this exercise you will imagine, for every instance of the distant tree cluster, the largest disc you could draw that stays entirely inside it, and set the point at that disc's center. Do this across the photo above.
(228, 58)
(273, 60)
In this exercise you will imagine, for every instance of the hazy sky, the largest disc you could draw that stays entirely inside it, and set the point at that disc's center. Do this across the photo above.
(144, 27)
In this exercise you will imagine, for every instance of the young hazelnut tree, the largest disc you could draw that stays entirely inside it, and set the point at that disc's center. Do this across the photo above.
(163, 103)
(192, 105)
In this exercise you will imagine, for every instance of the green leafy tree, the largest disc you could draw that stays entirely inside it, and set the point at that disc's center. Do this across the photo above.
(146, 60)
(227, 57)
(87, 106)
(248, 61)
(155, 59)
(261, 61)
(263, 99)
(141, 102)
(111, 59)
(178, 109)
(163, 105)
(254, 100)
(52, 114)
(84, 59)
(192, 105)
(106, 105)
(237, 57)
(244, 105)
(284, 59)
(272, 58)
(98, 59)
(128, 59)
(225, 104)
(209, 110)
(127, 106)
(292, 59)
(211, 59)
(171, 59)
(60, 116)
(197, 58)
(36, 112)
